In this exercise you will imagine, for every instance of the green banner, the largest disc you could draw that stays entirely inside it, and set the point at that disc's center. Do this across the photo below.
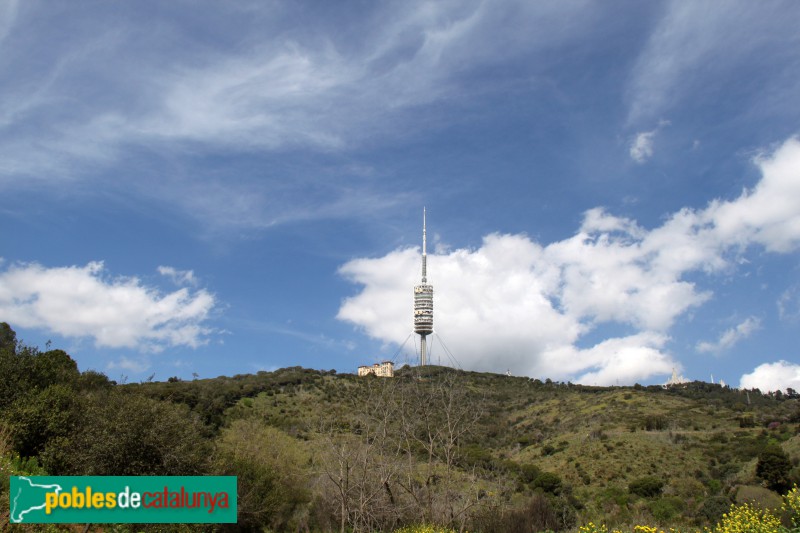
(122, 499)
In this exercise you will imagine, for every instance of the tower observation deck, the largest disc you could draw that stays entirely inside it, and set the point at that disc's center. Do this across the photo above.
(423, 302)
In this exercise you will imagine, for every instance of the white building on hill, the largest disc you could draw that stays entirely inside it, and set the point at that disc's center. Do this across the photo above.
(383, 370)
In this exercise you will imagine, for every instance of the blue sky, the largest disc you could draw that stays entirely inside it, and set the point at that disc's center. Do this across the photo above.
(613, 189)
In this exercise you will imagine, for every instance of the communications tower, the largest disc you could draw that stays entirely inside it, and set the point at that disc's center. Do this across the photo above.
(423, 302)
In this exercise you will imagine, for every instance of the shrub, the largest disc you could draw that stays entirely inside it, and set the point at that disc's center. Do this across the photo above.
(476, 455)
(747, 421)
(665, 509)
(714, 508)
(647, 487)
(591, 527)
(739, 519)
(615, 495)
(528, 473)
(655, 423)
(748, 519)
(791, 506)
(548, 482)
(759, 497)
(537, 515)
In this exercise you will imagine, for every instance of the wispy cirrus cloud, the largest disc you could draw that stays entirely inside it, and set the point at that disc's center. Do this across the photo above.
(8, 13)
(255, 83)
(93, 97)
(730, 337)
(292, 88)
(788, 304)
(695, 47)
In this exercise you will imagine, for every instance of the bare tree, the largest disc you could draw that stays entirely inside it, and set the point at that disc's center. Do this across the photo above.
(436, 417)
(394, 458)
(360, 460)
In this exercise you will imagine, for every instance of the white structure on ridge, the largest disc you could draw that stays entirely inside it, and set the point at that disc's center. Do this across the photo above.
(384, 369)
(675, 379)
(423, 302)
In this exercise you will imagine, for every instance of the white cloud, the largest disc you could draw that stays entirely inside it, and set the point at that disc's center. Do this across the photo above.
(642, 146)
(291, 88)
(788, 303)
(179, 277)
(288, 88)
(626, 360)
(503, 306)
(513, 303)
(730, 337)
(769, 214)
(80, 301)
(772, 377)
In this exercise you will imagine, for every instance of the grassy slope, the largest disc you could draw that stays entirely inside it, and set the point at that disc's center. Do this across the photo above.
(594, 438)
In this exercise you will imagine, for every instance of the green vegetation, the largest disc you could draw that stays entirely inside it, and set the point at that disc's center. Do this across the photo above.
(647, 487)
(321, 451)
(741, 518)
(773, 468)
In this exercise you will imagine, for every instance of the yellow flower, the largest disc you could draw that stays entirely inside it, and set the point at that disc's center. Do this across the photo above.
(791, 505)
(748, 519)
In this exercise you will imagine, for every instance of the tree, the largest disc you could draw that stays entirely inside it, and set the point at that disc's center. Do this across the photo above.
(361, 461)
(25, 368)
(128, 435)
(8, 338)
(773, 468)
(40, 416)
(394, 457)
(271, 470)
(437, 416)
(54, 366)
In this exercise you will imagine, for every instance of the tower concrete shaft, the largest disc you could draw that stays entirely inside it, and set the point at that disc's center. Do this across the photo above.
(423, 301)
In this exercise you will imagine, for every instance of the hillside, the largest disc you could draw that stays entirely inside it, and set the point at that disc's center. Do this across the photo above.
(316, 450)
(701, 440)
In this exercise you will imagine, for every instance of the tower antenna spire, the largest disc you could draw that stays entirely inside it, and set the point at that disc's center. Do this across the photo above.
(424, 250)
(423, 299)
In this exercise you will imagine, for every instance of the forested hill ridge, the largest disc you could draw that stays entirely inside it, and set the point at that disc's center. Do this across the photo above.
(321, 451)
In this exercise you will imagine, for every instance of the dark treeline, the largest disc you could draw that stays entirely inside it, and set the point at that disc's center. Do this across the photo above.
(320, 451)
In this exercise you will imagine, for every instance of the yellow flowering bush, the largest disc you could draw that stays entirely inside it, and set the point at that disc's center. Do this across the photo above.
(591, 527)
(743, 518)
(791, 506)
(646, 529)
(746, 518)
